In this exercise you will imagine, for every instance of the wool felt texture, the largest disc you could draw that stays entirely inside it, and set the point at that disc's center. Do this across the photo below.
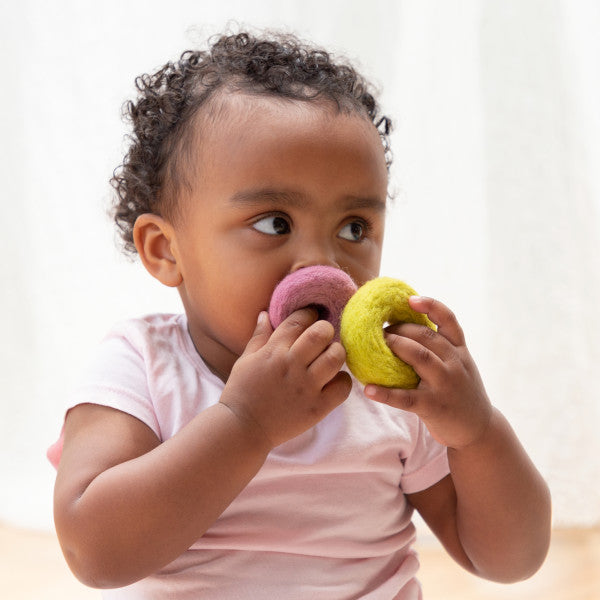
(325, 288)
(379, 302)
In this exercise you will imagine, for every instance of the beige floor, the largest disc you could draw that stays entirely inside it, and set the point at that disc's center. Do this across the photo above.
(32, 568)
(571, 572)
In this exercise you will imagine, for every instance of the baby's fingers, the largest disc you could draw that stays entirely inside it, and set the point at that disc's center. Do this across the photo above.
(408, 400)
(328, 364)
(312, 342)
(442, 316)
(260, 336)
(336, 391)
(425, 336)
(294, 326)
(424, 361)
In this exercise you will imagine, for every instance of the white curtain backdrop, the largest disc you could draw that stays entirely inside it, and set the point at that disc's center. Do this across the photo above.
(497, 207)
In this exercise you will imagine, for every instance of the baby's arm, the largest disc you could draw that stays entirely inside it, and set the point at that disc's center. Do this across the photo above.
(126, 505)
(493, 512)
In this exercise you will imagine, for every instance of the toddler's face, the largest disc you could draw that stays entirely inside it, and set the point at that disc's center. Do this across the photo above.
(279, 185)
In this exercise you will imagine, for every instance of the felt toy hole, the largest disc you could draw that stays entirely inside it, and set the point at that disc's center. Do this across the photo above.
(387, 325)
(322, 310)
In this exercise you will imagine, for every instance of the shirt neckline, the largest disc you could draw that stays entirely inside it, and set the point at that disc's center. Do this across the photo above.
(191, 352)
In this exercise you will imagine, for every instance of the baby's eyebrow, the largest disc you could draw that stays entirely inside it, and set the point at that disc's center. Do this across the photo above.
(300, 200)
(260, 196)
(358, 202)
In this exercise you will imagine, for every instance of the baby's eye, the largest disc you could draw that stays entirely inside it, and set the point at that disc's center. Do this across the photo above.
(273, 225)
(354, 231)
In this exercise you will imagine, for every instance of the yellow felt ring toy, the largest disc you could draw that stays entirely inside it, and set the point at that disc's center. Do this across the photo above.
(378, 302)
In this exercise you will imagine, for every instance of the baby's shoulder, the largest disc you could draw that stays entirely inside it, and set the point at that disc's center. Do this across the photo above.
(150, 329)
(160, 342)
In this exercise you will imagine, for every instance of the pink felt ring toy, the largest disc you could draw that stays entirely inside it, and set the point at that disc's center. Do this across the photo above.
(325, 288)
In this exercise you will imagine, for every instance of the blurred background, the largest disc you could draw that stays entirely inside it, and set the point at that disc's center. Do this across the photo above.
(496, 211)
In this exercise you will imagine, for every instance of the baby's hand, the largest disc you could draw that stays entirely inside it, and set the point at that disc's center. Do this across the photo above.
(289, 379)
(450, 398)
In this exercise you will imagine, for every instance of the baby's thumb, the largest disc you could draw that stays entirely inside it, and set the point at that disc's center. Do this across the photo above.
(262, 333)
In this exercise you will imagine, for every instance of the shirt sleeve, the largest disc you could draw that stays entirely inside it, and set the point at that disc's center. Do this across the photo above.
(115, 377)
(427, 463)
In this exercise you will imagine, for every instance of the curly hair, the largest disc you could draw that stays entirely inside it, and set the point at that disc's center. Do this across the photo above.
(275, 65)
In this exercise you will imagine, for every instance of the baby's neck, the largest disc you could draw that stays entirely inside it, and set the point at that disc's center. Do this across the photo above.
(216, 357)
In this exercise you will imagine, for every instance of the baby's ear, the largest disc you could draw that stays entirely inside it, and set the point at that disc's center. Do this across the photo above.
(153, 237)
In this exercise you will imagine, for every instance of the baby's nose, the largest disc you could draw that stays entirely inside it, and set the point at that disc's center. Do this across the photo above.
(312, 253)
(315, 261)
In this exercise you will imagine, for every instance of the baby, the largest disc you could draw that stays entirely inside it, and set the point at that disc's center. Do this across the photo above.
(207, 455)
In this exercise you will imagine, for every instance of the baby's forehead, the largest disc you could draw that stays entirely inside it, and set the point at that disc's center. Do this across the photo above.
(243, 106)
(234, 115)
(238, 117)
(266, 134)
